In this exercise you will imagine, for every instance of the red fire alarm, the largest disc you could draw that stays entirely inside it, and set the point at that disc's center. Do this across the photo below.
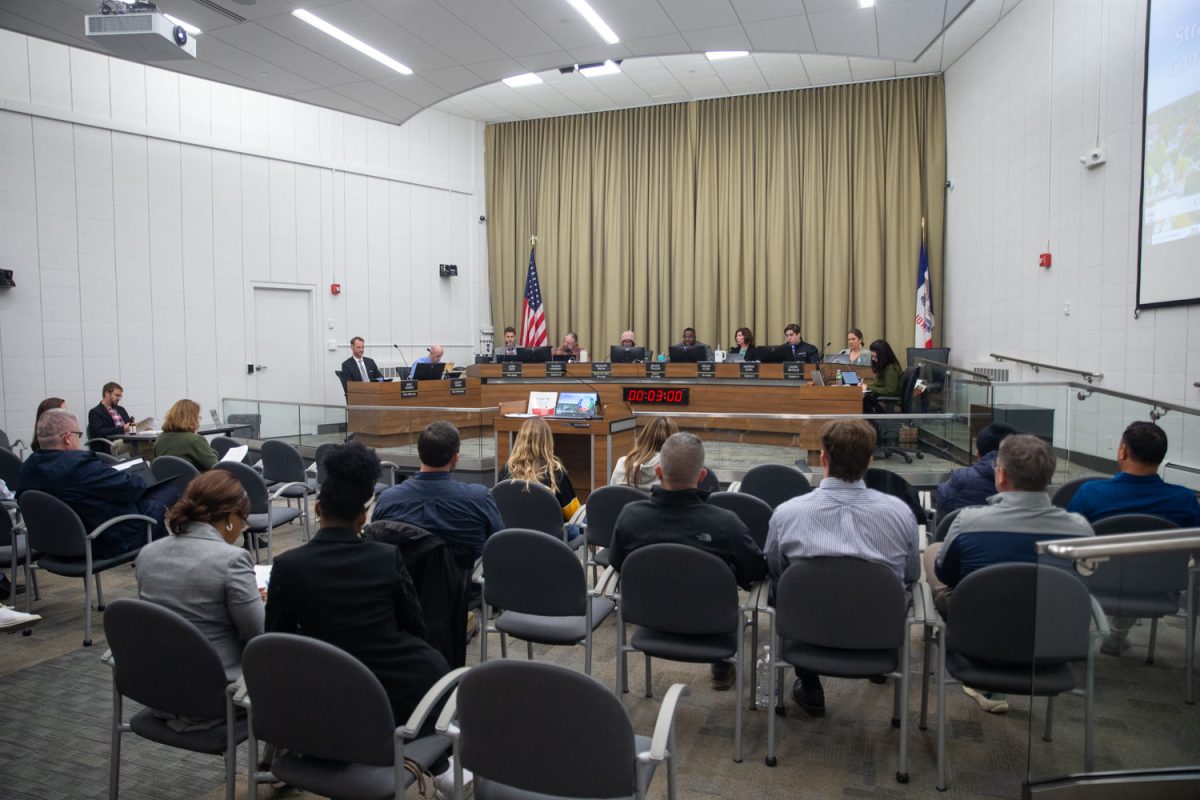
(336, 288)
(1044, 260)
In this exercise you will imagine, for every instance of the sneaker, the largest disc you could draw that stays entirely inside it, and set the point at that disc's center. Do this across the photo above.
(723, 677)
(811, 699)
(444, 783)
(991, 702)
(1115, 645)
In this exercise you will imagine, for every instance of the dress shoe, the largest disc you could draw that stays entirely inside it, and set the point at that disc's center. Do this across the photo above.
(811, 699)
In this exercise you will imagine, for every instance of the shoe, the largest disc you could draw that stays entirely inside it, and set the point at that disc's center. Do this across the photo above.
(991, 702)
(723, 677)
(812, 700)
(1115, 646)
(444, 783)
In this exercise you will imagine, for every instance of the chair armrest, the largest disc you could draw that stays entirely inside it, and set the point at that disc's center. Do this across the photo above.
(99, 440)
(477, 573)
(240, 694)
(922, 601)
(608, 576)
(929, 611)
(283, 487)
(1099, 617)
(416, 720)
(579, 517)
(663, 728)
(103, 526)
(445, 722)
(735, 486)
(759, 595)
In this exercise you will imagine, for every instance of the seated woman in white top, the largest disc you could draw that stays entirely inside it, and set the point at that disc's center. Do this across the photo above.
(637, 467)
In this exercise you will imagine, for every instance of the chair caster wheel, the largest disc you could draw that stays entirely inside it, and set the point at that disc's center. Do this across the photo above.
(781, 711)
(27, 632)
(920, 455)
(737, 761)
(87, 642)
(99, 608)
(901, 777)
(895, 722)
(771, 761)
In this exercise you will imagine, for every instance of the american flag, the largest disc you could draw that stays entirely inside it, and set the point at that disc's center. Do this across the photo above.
(923, 330)
(533, 323)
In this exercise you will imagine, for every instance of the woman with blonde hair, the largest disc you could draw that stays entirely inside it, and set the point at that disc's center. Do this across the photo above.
(637, 467)
(532, 459)
(179, 437)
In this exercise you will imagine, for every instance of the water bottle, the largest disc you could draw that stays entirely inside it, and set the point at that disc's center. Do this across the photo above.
(762, 672)
(839, 376)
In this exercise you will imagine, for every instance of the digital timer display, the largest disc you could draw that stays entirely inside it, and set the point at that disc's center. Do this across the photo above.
(655, 396)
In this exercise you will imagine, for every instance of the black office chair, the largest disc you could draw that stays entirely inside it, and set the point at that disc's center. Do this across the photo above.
(943, 525)
(223, 444)
(603, 507)
(898, 405)
(775, 483)
(282, 464)
(888, 482)
(251, 425)
(180, 469)
(751, 510)
(711, 481)
(1066, 493)
(10, 467)
(265, 516)
(15, 552)
(532, 506)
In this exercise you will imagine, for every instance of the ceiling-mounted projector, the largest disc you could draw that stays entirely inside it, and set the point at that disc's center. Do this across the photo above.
(138, 32)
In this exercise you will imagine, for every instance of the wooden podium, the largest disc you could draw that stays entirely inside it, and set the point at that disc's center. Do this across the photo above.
(588, 448)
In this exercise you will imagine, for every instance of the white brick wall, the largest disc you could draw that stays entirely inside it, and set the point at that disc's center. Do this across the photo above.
(137, 206)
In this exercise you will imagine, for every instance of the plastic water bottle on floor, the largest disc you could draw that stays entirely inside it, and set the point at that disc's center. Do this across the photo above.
(762, 672)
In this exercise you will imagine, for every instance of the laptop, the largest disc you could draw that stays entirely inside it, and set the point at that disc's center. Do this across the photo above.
(139, 467)
(425, 371)
(817, 378)
(576, 405)
(850, 378)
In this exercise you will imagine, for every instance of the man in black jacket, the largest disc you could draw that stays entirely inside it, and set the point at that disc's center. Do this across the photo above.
(677, 513)
(800, 349)
(358, 367)
(109, 418)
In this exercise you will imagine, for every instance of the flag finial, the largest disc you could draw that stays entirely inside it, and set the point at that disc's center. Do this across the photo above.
(533, 241)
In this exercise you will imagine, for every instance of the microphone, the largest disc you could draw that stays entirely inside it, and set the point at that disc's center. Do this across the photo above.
(825, 350)
(407, 368)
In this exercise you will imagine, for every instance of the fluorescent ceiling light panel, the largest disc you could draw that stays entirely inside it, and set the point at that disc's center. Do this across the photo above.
(588, 13)
(866, 3)
(191, 29)
(722, 55)
(347, 39)
(528, 79)
(596, 70)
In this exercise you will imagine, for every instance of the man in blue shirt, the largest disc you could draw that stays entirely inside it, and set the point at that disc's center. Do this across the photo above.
(1136, 489)
(973, 485)
(435, 357)
(462, 514)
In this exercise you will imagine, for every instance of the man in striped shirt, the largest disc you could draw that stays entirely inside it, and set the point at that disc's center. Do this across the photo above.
(842, 517)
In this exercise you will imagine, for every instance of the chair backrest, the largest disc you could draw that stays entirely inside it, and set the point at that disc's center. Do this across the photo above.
(53, 526)
(281, 462)
(222, 445)
(252, 482)
(1013, 613)
(317, 700)
(1065, 493)
(341, 379)
(711, 482)
(678, 589)
(100, 445)
(888, 482)
(530, 505)
(944, 521)
(844, 603)
(977, 550)
(1151, 573)
(908, 382)
(108, 459)
(528, 572)
(775, 483)
(752, 511)
(603, 507)
(163, 661)
(575, 739)
(319, 457)
(6, 528)
(10, 466)
(252, 424)
(4, 442)
(175, 467)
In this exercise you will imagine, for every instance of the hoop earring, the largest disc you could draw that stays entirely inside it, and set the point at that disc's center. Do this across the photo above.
(229, 526)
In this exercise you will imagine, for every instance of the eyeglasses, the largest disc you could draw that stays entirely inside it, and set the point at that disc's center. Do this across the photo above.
(77, 433)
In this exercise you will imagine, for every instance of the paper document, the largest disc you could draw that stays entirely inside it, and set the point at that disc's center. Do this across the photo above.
(542, 403)
(262, 574)
(121, 466)
(147, 425)
(520, 416)
(236, 453)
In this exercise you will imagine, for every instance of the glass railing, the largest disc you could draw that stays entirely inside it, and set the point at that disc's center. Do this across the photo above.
(1141, 669)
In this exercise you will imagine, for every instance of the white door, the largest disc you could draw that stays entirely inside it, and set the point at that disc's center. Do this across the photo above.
(283, 345)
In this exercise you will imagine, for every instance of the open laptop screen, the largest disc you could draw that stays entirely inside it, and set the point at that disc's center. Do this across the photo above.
(580, 405)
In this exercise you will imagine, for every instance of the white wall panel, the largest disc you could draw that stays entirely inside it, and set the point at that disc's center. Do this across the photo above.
(49, 73)
(14, 66)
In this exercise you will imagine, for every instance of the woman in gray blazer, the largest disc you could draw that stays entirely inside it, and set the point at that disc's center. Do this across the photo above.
(200, 573)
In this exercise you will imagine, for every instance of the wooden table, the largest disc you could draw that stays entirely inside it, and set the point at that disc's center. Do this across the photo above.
(416, 404)
(141, 445)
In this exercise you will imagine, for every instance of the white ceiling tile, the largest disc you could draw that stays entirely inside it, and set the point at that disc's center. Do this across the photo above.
(543, 61)
(288, 54)
(905, 29)
(929, 62)
(377, 30)
(631, 18)
(657, 45)
(745, 82)
(496, 70)
(849, 32)
(826, 69)
(692, 15)
(257, 74)
(339, 102)
(686, 71)
(783, 35)
(871, 69)
(414, 88)
(371, 94)
(635, 66)
(758, 10)
(452, 79)
(727, 37)
(822, 6)
(438, 27)
(599, 53)
(503, 25)
(730, 66)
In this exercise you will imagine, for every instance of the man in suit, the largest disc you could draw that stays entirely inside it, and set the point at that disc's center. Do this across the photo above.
(109, 418)
(800, 349)
(358, 367)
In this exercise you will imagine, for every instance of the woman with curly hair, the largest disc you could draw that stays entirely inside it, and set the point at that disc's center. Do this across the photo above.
(179, 437)
(532, 459)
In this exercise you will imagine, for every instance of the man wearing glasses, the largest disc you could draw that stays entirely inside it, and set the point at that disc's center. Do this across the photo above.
(96, 492)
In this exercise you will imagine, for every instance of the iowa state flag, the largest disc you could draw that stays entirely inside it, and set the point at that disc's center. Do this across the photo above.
(923, 332)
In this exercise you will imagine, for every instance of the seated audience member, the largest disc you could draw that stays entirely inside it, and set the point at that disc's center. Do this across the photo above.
(532, 459)
(109, 418)
(677, 514)
(434, 356)
(689, 340)
(1136, 489)
(202, 573)
(43, 407)
(179, 437)
(569, 347)
(888, 375)
(743, 345)
(356, 594)
(973, 485)
(639, 466)
(1013, 520)
(628, 339)
(800, 349)
(509, 348)
(842, 517)
(94, 490)
(462, 514)
(358, 367)
(854, 349)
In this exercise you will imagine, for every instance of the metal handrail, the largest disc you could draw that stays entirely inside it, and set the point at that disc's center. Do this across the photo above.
(1087, 391)
(1039, 366)
(949, 368)
(1122, 544)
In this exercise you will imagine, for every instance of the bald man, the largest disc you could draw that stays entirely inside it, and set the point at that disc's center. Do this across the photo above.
(435, 357)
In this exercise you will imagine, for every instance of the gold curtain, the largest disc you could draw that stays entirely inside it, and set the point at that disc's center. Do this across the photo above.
(801, 206)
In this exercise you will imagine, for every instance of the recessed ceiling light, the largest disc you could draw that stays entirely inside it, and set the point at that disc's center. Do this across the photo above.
(191, 29)
(722, 55)
(528, 79)
(588, 13)
(866, 3)
(596, 70)
(347, 39)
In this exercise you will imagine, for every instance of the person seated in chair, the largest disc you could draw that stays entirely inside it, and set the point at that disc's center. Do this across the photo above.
(569, 348)
(628, 339)
(94, 490)
(1015, 518)
(358, 367)
(842, 517)
(509, 348)
(887, 381)
(800, 349)
(677, 513)
(179, 437)
(532, 459)
(973, 485)
(109, 417)
(434, 356)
